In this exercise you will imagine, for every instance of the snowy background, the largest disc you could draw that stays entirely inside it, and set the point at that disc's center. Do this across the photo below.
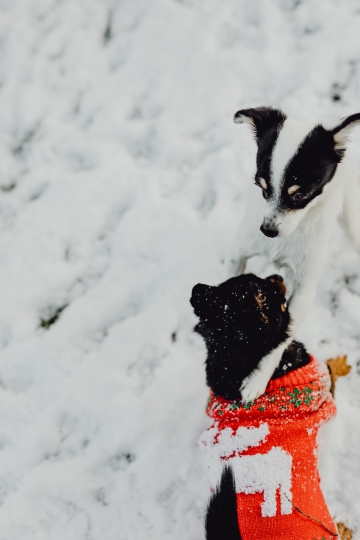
(122, 178)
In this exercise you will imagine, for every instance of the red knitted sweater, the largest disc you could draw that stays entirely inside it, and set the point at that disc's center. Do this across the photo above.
(271, 445)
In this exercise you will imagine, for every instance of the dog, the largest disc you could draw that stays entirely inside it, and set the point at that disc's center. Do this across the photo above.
(305, 178)
(261, 455)
(242, 320)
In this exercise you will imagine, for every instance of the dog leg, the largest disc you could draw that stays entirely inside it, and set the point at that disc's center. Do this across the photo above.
(236, 266)
(255, 384)
(243, 247)
(240, 252)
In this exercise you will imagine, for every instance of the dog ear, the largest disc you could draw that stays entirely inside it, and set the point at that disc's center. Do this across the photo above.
(275, 278)
(342, 131)
(203, 300)
(260, 119)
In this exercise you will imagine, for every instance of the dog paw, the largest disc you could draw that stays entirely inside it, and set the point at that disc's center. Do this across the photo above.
(231, 267)
(254, 385)
(234, 266)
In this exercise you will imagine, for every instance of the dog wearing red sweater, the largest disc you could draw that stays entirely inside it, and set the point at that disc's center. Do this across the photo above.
(261, 455)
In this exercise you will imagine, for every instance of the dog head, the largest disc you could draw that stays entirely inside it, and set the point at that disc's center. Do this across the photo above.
(295, 164)
(241, 321)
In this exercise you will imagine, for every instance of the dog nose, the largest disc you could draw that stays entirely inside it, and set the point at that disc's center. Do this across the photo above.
(268, 231)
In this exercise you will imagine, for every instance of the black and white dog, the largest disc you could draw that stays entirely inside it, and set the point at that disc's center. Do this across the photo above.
(308, 178)
(241, 321)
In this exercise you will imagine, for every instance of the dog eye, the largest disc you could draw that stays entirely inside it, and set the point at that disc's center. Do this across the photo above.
(261, 183)
(300, 196)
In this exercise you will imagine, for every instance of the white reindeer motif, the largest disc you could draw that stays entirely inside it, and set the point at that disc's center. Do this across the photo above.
(253, 474)
(268, 473)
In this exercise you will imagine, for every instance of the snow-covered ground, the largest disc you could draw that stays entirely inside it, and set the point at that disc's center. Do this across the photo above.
(122, 178)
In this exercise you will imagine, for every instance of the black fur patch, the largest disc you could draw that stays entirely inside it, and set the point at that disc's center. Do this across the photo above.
(221, 521)
(294, 357)
(311, 168)
(267, 125)
(241, 320)
(346, 122)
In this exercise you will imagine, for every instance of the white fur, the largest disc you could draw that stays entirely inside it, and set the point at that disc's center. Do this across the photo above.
(262, 183)
(303, 239)
(293, 188)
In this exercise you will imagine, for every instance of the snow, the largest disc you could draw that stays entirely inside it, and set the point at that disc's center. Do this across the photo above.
(122, 178)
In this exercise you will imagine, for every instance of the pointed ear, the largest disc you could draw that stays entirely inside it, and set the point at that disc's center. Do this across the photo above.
(203, 300)
(275, 278)
(261, 119)
(342, 131)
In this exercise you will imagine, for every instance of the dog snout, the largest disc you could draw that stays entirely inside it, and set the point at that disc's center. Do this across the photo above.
(269, 230)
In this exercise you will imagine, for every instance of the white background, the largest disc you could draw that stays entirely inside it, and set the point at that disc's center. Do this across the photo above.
(122, 178)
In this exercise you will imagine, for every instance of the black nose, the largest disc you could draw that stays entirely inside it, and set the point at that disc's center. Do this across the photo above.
(269, 231)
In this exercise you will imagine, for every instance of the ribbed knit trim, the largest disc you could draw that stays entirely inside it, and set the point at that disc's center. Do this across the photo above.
(297, 394)
(304, 375)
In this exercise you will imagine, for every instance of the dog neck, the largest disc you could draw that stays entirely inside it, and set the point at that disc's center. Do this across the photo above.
(225, 372)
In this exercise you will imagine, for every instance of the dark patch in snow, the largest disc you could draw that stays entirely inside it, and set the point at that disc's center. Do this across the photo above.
(100, 335)
(26, 140)
(54, 315)
(186, 3)
(108, 33)
(290, 5)
(121, 461)
(77, 106)
(38, 192)
(336, 92)
(173, 337)
(334, 302)
(100, 496)
(309, 31)
(348, 71)
(67, 254)
(208, 201)
(8, 187)
(80, 162)
(352, 283)
(146, 148)
(136, 114)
